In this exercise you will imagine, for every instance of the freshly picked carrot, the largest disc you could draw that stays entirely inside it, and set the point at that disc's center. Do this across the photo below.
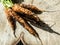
(11, 10)
(24, 14)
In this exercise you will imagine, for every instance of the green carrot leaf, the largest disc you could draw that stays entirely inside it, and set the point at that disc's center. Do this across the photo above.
(7, 3)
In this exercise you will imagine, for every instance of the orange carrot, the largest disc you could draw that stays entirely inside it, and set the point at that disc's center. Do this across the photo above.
(27, 12)
(22, 22)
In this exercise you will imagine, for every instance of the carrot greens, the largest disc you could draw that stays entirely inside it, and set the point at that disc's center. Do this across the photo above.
(7, 3)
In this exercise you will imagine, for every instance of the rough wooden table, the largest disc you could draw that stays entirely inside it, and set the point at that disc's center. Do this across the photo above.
(6, 33)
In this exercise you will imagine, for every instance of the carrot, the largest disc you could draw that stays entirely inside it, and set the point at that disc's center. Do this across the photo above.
(32, 8)
(11, 21)
(22, 22)
(27, 12)
(22, 10)
(11, 10)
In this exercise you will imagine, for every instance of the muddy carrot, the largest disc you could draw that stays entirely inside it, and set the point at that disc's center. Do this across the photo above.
(27, 12)
(11, 21)
(32, 8)
(23, 22)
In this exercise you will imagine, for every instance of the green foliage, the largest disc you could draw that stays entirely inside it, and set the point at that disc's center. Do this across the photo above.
(7, 3)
